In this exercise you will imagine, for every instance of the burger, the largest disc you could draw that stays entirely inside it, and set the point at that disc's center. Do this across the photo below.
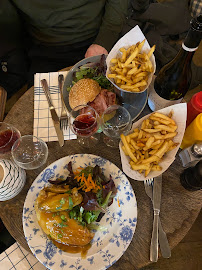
(88, 91)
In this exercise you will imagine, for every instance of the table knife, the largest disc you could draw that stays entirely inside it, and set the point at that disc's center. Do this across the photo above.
(163, 241)
(54, 115)
(156, 207)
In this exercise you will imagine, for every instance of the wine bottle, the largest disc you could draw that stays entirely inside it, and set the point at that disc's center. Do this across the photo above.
(173, 80)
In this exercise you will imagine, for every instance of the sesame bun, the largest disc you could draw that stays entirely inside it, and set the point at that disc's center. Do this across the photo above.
(82, 92)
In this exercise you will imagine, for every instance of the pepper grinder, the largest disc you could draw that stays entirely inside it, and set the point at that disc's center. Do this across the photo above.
(191, 178)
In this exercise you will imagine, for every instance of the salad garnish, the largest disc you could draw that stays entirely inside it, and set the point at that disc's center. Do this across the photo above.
(95, 71)
(97, 192)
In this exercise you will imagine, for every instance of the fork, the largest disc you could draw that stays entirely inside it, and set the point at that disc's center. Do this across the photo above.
(163, 241)
(63, 116)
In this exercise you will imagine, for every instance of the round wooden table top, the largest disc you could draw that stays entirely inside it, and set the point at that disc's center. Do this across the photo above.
(179, 207)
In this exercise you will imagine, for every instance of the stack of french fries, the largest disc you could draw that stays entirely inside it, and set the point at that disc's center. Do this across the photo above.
(130, 71)
(147, 146)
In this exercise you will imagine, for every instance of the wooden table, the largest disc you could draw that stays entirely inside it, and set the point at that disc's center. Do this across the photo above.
(179, 207)
(3, 96)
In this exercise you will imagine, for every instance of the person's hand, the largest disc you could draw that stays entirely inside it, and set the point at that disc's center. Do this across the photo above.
(95, 49)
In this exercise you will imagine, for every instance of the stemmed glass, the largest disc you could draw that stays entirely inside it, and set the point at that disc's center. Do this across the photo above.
(29, 152)
(115, 121)
(8, 135)
(84, 122)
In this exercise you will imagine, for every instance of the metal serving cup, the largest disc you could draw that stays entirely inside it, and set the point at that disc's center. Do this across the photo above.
(133, 102)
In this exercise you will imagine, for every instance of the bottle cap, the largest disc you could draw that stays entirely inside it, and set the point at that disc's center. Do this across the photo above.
(193, 132)
(197, 101)
(196, 150)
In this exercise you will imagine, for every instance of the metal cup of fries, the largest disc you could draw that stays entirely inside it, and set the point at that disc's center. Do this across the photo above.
(131, 63)
(150, 148)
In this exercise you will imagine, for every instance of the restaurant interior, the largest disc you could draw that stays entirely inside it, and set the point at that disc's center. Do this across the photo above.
(186, 255)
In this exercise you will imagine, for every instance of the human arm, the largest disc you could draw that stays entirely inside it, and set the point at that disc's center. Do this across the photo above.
(95, 49)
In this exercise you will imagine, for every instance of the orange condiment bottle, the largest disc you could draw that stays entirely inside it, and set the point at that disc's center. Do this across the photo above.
(193, 133)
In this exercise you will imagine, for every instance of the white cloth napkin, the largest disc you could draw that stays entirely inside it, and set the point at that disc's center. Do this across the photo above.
(16, 257)
(43, 124)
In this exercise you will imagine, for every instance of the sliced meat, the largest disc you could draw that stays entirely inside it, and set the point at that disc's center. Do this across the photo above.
(58, 202)
(58, 224)
(111, 98)
(103, 101)
(63, 229)
(99, 104)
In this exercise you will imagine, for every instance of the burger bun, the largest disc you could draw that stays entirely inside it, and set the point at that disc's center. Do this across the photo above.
(82, 92)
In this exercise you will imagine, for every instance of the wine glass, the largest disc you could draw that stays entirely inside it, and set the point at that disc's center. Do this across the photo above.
(115, 121)
(29, 152)
(84, 122)
(8, 135)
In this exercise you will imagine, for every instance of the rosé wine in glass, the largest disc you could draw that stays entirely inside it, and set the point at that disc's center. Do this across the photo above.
(8, 135)
(84, 122)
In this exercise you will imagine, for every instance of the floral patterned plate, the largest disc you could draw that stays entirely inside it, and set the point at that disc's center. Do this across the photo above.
(107, 245)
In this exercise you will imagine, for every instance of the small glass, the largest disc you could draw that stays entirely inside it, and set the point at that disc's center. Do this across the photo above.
(8, 135)
(84, 122)
(29, 152)
(115, 121)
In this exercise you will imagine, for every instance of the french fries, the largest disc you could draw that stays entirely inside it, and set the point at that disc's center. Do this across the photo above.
(130, 71)
(147, 146)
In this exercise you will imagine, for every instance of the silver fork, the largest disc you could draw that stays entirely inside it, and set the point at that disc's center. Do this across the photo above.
(63, 116)
(163, 241)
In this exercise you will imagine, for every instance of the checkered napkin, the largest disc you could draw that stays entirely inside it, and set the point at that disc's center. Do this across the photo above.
(17, 258)
(43, 124)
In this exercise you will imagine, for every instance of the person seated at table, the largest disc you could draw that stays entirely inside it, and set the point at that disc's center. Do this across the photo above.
(164, 23)
(13, 61)
(57, 34)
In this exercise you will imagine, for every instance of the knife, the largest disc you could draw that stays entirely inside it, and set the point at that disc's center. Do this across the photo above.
(55, 118)
(163, 241)
(156, 207)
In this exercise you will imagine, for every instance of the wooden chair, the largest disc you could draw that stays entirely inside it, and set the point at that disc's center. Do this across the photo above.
(3, 97)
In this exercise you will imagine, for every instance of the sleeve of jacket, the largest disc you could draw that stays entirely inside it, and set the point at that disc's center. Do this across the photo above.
(112, 23)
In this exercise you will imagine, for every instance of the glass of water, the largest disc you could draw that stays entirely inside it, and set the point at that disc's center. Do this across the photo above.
(29, 152)
(116, 120)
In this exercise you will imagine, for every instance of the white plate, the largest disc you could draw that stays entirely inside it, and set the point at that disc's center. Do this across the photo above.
(107, 246)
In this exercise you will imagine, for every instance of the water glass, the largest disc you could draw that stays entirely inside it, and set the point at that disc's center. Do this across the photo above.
(115, 121)
(29, 152)
(8, 135)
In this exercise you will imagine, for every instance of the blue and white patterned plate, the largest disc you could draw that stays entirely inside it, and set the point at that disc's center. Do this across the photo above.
(108, 245)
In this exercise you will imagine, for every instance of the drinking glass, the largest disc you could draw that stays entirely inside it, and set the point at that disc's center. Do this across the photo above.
(29, 152)
(84, 122)
(8, 135)
(115, 121)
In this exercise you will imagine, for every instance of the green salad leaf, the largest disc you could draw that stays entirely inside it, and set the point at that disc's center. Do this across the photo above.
(94, 203)
(95, 71)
